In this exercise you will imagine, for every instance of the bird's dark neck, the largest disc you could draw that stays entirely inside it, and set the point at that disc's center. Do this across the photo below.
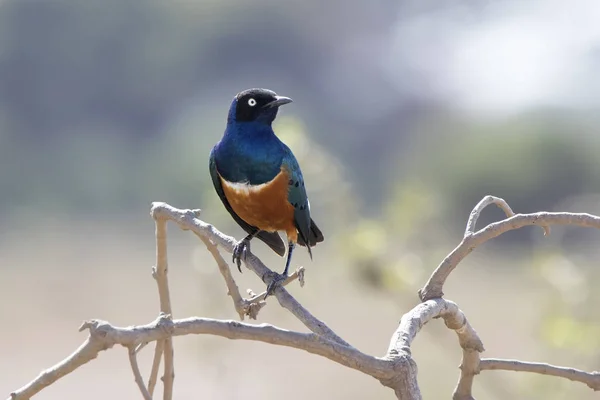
(249, 131)
(249, 152)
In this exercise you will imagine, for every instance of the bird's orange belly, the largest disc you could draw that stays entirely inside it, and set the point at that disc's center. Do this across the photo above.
(264, 206)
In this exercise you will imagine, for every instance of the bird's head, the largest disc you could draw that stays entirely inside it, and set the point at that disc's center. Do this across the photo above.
(260, 105)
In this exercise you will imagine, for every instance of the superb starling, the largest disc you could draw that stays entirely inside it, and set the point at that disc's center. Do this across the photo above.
(259, 181)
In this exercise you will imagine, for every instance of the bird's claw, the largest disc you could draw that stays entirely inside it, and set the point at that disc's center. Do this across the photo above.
(240, 250)
(275, 283)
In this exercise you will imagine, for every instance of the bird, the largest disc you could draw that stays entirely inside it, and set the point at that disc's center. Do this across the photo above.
(259, 180)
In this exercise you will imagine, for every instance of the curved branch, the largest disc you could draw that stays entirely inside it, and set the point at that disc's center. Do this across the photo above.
(187, 220)
(434, 286)
(412, 322)
(487, 201)
(591, 379)
(137, 374)
(478, 209)
(103, 335)
(242, 306)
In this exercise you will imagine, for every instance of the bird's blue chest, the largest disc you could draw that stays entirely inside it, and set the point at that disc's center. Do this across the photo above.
(249, 154)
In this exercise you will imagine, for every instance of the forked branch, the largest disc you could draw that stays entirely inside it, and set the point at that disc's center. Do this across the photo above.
(434, 286)
(396, 369)
(187, 220)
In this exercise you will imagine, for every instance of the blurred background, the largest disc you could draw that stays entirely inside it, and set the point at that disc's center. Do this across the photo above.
(406, 113)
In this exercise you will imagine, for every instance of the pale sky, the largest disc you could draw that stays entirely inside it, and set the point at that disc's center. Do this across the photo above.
(505, 57)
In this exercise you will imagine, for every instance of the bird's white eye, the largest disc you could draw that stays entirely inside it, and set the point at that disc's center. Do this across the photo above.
(251, 102)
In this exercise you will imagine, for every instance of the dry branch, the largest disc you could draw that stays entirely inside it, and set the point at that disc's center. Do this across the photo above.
(434, 286)
(396, 369)
(478, 209)
(158, 353)
(137, 374)
(253, 305)
(591, 379)
(396, 366)
(103, 336)
(187, 220)
(85, 353)
(412, 322)
(162, 281)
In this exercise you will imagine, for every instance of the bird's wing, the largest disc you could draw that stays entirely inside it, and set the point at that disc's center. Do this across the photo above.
(309, 233)
(272, 239)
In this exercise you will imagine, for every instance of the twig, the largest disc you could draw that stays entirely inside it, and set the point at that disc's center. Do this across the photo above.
(187, 220)
(253, 305)
(489, 200)
(140, 347)
(162, 282)
(478, 209)
(591, 379)
(158, 353)
(137, 374)
(287, 301)
(232, 287)
(297, 274)
(434, 286)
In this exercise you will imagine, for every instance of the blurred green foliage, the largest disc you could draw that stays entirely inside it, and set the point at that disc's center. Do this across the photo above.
(104, 107)
(534, 160)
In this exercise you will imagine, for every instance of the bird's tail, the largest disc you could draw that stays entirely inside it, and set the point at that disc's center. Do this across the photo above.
(314, 236)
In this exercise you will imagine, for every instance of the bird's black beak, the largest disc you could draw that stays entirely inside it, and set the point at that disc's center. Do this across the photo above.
(279, 101)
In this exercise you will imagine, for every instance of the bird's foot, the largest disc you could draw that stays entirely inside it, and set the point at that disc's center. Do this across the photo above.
(277, 281)
(240, 249)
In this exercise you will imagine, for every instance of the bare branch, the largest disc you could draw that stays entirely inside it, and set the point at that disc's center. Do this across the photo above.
(187, 220)
(468, 370)
(486, 201)
(297, 274)
(471, 347)
(232, 288)
(140, 347)
(85, 353)
(162, 282)
(253, 305)
(591, 379)
(434, 286)
(158, 353)
(412, 322)
(396, 369)
(137, 374)
(478, 209)
(103, 335)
